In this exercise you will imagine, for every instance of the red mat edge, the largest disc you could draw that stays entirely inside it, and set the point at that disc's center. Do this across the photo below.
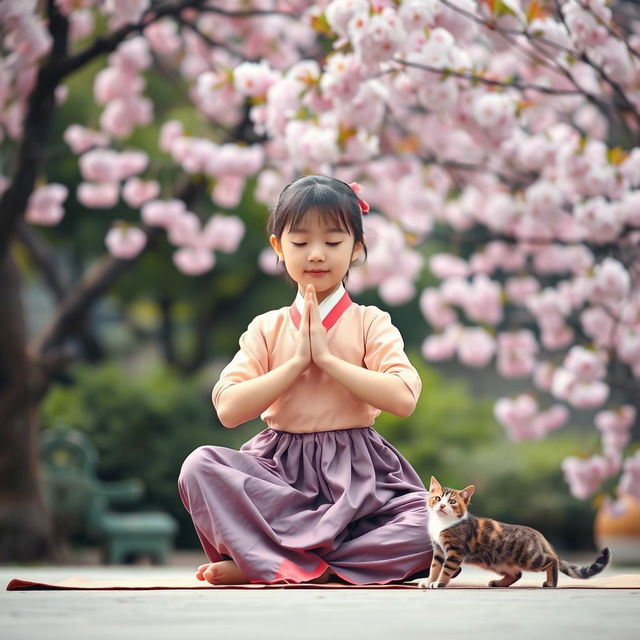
(17, 584)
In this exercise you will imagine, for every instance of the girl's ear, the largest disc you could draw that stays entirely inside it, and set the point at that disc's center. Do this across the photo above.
(277, 245)
(357, 250)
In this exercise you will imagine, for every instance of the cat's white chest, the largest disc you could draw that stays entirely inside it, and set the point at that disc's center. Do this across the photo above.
(438, 523)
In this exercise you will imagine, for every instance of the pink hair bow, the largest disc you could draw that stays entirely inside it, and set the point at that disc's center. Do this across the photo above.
(364, 205)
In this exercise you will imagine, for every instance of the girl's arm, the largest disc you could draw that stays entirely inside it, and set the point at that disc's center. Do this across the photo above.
(246, 400)
(385, 391)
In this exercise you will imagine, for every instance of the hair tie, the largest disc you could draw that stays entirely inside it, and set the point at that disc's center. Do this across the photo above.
(364, 205)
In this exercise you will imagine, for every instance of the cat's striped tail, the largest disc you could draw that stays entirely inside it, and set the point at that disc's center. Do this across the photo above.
(574, 571)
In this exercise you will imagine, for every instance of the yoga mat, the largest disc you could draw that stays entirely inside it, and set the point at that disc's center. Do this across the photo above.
(623, 581)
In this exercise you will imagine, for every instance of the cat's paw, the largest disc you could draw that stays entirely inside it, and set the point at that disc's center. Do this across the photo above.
(437, 585)
(424, 583)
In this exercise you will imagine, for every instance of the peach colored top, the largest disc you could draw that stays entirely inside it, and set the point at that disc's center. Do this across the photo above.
(362, 335)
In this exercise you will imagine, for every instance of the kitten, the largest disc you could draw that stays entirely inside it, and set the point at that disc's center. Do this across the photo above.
(458, 537)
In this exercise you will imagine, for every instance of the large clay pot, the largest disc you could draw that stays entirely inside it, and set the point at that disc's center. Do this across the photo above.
(621, 533)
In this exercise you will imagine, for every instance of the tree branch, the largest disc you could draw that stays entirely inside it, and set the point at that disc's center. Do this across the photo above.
(40, 110)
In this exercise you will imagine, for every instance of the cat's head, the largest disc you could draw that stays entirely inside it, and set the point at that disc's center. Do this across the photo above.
(448, 502)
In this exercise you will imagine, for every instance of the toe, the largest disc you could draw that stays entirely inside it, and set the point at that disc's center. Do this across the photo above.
(201, 569)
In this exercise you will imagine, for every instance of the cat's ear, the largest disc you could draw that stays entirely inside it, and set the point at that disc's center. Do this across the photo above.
(434, 484)
(467, 492)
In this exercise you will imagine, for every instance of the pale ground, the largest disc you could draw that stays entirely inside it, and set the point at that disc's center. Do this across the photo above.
(296, 614)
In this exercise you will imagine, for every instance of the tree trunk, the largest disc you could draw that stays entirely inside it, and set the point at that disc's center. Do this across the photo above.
(25, 528)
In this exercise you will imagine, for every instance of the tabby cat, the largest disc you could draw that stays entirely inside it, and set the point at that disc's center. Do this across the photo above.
(458, 537)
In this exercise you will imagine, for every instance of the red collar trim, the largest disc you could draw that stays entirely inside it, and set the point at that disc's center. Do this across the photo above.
(331, 318)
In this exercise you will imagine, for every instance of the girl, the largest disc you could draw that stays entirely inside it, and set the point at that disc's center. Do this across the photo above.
(319, 493)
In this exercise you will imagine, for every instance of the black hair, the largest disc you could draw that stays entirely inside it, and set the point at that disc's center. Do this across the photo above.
(333, 199)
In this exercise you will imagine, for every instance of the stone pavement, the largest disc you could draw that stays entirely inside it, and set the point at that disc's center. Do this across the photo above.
(297, 614)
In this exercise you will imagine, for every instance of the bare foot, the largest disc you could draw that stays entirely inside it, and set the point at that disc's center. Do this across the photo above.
(224, 572)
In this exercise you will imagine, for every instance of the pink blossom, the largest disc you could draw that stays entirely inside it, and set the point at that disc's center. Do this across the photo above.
(600, 221)
(100, 165)
(228, 159)
(494, 109)
(627, 341)
(101, 195)
(123, 114)
(81, 139)
(555, 336)
(484, 302)
(268, 262)
(136, 192)
(162, 37)
(435, 310)
(620, 420)
(543, 375)
(311, 146)
(194, 261)
(125, 242)
(516, 353)
(223, 233)
(588, 395)
(169, 133)
(521, 288)
(185, 229)
(446, 265)
(442, 346)
(586, 365)
(550, 420)
(112, 83)
(162, 213)
(455, 291)
(516, 415)
(599, 325)
(132, 54)
(630, 480)
(228, 191)
(131, 163)
(396, 290)
(585, 476)
(475, 347)
(612, 280)
(339, 13)
(45, 205)
(254, 78)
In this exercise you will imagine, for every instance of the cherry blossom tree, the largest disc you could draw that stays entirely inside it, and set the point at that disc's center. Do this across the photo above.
(496, 141)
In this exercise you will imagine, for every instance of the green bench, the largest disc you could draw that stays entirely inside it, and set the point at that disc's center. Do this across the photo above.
(80, 503)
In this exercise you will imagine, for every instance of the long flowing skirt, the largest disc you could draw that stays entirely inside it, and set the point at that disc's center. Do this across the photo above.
(288, 505)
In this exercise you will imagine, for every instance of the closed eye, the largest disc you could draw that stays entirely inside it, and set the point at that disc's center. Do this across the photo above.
(302, 244)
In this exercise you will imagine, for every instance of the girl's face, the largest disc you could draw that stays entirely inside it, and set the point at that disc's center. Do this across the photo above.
(316, 254)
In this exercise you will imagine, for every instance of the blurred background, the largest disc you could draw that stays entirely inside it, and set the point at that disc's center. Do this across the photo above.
(122, 391)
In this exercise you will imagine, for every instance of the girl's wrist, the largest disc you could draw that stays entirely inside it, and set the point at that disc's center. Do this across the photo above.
(298, 364)
(325, 361)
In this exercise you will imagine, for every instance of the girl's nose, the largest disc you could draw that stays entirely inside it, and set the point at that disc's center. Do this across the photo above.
(316, 252)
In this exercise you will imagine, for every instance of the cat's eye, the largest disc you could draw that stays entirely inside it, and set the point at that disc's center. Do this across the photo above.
(452, 501)
(437, 498)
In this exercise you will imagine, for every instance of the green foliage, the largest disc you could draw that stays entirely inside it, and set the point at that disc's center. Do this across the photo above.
(455, 437)
(143, 426)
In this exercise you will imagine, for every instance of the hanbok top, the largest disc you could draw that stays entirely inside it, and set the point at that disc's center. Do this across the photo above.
(362, 335)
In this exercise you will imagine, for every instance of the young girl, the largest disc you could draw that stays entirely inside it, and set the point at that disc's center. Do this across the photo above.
(319, 493)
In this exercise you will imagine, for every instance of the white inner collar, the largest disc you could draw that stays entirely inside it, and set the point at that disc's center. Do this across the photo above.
(326, 305)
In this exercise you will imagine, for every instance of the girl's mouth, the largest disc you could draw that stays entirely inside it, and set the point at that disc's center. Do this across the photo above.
(316, 274)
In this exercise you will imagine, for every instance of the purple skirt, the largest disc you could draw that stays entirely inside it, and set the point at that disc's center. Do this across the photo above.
(288, 505)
